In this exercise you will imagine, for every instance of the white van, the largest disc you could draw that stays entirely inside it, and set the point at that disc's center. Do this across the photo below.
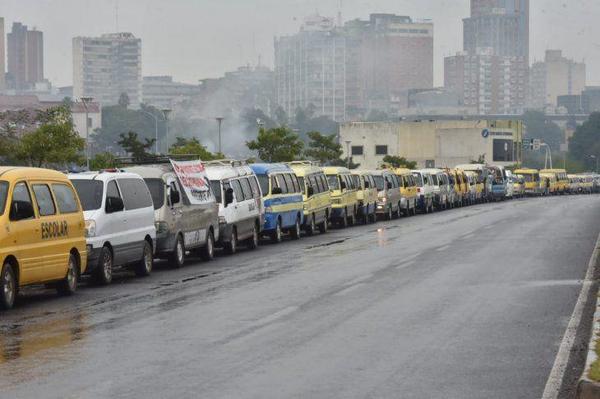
(241, 214)
(119, 222)
(425, 190)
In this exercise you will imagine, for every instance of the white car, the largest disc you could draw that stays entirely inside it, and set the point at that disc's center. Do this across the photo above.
(119, 222)
(238, 193)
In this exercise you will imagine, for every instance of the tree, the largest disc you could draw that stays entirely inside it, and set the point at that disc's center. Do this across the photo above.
(345, 162)
(192, 146)
(55, 142)
(136, 148)
(399, 162)
(584, 146)
(324, 149)
(281, 117)
(277, 145)
(103, 160)
(479, 160)
(124, 100)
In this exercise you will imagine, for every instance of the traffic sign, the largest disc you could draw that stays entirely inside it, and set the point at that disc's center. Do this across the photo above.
(537, 144)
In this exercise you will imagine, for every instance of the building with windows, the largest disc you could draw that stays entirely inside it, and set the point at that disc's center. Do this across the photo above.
(105, 67)
(25, 57)
(2, 56)
(434, 143)
(555, 76)
(162, 92)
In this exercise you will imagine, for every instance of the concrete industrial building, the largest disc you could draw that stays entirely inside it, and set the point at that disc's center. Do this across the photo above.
(25, 57)
(492, 73)
(2, 56)
(344, 72)
(555, 76)
(434, 143)
(162, 92)
(105, 67)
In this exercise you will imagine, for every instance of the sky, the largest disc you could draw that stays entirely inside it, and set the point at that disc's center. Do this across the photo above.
(196, 39)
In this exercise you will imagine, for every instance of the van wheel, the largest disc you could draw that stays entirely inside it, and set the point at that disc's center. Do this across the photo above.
(344, 220)
(144, 266)
(231, 246)
(68, 285)
(296, 231)
(390, 214)
(324, 226)
(207, 252)
(177, 257)
(277, 235)
(8, 284)
(312, 227)
(103, 272)
(253, 241)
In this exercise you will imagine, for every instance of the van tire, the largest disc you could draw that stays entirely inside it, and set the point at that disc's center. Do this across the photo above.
(296, 230)
(143, 267)
(231, 245)
(277, 234)
(177, 257)
(390, 213)
(103, 272)
(324, 226)
(252, 242)
(207, 252)
(311, 227)
(68, 285)
(8, 287)
(344, 220)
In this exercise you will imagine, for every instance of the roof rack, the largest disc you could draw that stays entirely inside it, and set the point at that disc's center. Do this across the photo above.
(156, 159)
(226, 162)
(304, 163)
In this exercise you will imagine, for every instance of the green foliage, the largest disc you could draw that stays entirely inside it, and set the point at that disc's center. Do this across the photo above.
(479, 160)
(55, 142)
(345, 162)
(277, 145)
(324, 149)
(103, 160)
(192, 146)
(305, 122)
(399, 162)
(135, 147)
(585, 143)
(538, 127)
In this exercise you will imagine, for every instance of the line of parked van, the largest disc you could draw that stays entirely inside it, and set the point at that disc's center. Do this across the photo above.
(57, 227)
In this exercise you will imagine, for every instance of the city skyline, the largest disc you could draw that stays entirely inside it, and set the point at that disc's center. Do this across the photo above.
(553, 26)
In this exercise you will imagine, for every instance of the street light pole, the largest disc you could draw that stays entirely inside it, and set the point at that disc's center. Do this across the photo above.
(85, 101)
(166, 113)
(219, 120)
(348, 152)
(155, 129)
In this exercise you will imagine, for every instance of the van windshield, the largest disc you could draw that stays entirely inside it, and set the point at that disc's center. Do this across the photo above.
(3, 192)
(157, 191)
(418, 179)
(90, 193)
(263, 180)
(379, 182)
(215, 186)
(334, 183)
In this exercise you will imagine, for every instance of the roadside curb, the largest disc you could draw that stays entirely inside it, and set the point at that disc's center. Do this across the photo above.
(587, 388)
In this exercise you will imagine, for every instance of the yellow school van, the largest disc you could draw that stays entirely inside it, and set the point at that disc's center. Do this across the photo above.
(42, 238)
(366, 194)
(344, 202)
(315, 196)
(533, 183)
(562, 181)
(408, 191)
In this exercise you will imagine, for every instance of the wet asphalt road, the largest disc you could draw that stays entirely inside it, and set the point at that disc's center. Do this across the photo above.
(469, 303)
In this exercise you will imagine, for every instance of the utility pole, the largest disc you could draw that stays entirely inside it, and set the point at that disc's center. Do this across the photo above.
(85, 101)
(219, 120)
(166, 113)
(348, 152)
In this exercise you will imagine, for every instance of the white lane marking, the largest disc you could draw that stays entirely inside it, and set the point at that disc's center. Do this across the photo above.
(559, 368)
(272, 317)
(445, 247)
(349, 289)
(406, 264)
(469, 235)
(359, 279)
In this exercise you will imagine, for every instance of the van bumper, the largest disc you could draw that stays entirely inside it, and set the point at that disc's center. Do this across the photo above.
(165, 243)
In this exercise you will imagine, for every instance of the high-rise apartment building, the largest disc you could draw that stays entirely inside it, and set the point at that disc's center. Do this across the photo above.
(105, 67)
(555, 76)
(2, 56)
(492, 73)
(344, 72)
(25, 54)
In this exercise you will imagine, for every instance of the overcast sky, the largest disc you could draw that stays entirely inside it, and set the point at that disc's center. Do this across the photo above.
(194, 39)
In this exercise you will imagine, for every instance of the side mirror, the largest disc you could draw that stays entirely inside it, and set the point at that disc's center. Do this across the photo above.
(175, 197)
(389, 186)
(367, 184)
(228, 196)
(310, 191)
(343, 185)
(276, 190)
(114, 204)
(21, 210)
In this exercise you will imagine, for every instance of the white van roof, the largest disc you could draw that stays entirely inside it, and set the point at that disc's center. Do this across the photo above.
(102, 176)
(220, 171)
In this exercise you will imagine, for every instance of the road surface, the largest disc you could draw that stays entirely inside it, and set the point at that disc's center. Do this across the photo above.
(467, 303)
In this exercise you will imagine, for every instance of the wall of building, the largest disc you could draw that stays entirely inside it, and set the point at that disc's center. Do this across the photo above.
(2, 56)
(442, 142)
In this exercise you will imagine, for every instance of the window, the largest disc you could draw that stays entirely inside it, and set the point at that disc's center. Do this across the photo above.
(3, 194)
(135, 193)
(21, 197)
(246, 188)
(503, 150)
(297, 187)
(324, 182)
(289, 183)
(418, 179)
(44, 200)
(215, 186)
(357, 150)
(65, 198)
(90, 193)
(281, 183)
(334, 183)
(237, 189)
(301, 182)
(157, 191)
(379, 182)
(254, 187)
(312, 182)
(381, 150)
(263, 181)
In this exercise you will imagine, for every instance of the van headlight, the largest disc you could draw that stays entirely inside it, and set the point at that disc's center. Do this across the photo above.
(90, 228)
